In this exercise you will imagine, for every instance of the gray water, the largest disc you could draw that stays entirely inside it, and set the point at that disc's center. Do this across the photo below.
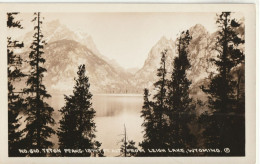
(112, 112)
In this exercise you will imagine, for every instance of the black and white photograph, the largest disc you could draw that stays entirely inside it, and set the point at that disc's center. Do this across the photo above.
(126, 84)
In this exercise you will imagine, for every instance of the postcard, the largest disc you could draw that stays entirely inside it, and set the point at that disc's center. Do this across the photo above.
(95, 83)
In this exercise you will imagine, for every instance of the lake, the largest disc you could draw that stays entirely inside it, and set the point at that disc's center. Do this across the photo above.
(112, 112)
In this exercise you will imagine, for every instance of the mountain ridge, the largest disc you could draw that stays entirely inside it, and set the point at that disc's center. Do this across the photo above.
(106, 75)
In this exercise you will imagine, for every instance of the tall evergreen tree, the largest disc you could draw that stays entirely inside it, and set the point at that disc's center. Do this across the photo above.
(39, 114)
(181, 110)
(148, 115)
(154, 113)
(225, 125)
(15, 101)
(160, 105)
(77, 126)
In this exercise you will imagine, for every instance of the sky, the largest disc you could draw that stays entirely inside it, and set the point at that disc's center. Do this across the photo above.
(128, 37)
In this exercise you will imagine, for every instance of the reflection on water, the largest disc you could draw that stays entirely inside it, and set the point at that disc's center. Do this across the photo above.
(113, 105)
(112, 112)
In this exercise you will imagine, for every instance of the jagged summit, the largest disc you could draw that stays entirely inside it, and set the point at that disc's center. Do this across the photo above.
(67, 48)
(197, 31)
(198, 55)
(163, 40)
(198, 27)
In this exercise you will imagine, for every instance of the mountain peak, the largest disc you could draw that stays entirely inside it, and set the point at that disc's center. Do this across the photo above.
(198, 30)
(163, 39)
(198, 27)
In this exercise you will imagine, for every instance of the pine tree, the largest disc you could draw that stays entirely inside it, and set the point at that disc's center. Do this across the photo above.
(147, 113)
(15, 101)
(39, 114)
(127, 149)
(154, 112)
(225, 125)
(159, 105)
(181, 109)
(77, 126)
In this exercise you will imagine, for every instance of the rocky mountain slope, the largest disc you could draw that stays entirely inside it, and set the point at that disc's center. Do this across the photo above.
(66, 49)
(199, 54)
(63, 67)
(201, 50)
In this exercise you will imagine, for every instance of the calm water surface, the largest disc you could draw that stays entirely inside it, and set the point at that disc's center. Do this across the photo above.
(112, 112)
